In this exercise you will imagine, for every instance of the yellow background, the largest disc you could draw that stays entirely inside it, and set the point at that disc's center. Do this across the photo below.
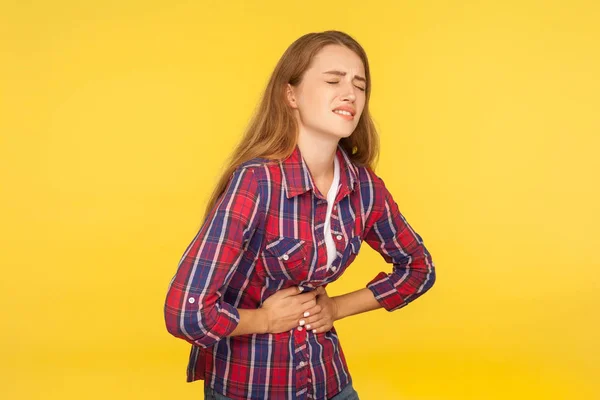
(115, 121)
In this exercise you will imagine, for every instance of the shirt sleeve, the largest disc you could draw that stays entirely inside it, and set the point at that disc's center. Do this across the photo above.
(413, 271)
(194, 309)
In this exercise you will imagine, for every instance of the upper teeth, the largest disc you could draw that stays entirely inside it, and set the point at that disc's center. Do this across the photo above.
(342, 112)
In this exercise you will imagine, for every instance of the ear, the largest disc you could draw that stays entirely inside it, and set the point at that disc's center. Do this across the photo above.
(289, 94)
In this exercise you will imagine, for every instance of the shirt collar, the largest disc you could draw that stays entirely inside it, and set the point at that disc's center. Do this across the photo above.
(298, 180)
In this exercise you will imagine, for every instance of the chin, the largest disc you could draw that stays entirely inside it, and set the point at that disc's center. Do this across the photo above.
(338, 135)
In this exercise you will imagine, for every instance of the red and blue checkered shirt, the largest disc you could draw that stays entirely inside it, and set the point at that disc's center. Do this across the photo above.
(266, 233)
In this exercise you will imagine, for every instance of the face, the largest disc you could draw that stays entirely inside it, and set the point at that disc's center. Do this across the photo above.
(334, 80)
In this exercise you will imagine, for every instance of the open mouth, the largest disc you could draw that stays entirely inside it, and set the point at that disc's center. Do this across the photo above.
(344, 114)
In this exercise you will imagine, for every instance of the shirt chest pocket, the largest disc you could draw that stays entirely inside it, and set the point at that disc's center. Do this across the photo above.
(285, 258)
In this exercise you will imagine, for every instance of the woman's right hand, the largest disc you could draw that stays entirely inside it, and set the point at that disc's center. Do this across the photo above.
(286, 307)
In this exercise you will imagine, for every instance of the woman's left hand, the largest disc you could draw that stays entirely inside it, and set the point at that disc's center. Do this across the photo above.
(321, 317)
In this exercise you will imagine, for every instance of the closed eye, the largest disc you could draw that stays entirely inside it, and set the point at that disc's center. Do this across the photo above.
(358, 87)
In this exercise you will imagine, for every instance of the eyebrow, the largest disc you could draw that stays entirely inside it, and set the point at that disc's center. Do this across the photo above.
(341, 73)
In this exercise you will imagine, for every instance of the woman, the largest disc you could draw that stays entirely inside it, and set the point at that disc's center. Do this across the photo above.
(286, 218)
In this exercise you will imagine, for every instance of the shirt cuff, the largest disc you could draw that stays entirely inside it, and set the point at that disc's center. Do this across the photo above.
(385, 292)
(228, 318)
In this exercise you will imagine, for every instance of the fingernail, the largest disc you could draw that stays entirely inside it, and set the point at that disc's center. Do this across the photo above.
(300, 288)
(306, 313)
(308, 326)
(302, 322)
(314, 331)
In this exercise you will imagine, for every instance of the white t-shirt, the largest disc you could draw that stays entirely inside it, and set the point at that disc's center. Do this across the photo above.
(333, 190)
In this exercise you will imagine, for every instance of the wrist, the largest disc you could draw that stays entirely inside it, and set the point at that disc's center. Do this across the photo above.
(263, 317)
(336, 308)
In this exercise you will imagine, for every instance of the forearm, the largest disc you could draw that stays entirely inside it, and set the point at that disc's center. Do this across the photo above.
(356, 302)
(251, 321)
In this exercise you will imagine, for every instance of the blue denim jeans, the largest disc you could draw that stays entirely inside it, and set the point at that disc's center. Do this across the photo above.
(347, 393)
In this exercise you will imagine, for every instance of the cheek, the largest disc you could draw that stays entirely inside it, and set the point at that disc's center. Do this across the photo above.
(362, 108)
(316, 106)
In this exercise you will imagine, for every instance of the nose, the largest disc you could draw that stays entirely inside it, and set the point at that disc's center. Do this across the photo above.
(350, 93)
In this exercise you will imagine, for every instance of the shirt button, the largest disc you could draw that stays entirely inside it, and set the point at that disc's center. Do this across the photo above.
(333, 269)
(339, 237)
(191, 300)
(285, 257)
(302, 363)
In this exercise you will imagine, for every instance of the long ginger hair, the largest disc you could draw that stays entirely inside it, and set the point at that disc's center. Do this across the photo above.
(273, 130)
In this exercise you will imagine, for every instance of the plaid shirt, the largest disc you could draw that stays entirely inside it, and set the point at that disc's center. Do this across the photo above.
(264, 234)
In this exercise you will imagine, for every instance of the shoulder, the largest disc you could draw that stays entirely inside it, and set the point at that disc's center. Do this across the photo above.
(257, 175)
(376, 197)
(368, 179)
(256, 168)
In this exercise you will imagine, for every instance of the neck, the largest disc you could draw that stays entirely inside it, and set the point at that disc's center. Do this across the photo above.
(318, 155)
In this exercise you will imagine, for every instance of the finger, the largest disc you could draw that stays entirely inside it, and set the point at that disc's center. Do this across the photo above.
(291, 291)
(307, 323)
(306, 297)
(319, 325)
(320, 328)
(308, 305)
(313, 311)
(317, 318)
(311, 320)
